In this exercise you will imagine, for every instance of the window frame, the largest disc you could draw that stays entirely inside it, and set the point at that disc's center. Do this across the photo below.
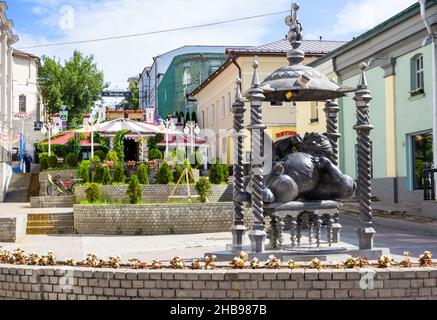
(20, 103)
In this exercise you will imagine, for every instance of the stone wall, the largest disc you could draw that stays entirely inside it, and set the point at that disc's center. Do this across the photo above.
(51, 202)
(66, 283)
(12, 229)
(156, 219)
(155, 193)
(43, 178)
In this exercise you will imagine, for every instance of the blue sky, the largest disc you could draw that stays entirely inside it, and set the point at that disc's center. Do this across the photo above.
(46, 21)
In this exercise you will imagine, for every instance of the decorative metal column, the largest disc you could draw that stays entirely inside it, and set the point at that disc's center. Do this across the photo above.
(255, 95)
(331, 110)
(238, 229)
(364, 184)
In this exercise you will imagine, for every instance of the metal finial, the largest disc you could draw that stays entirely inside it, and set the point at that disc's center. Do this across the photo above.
(238, 95)
(363, 78)
(255, 79)
(295, 33)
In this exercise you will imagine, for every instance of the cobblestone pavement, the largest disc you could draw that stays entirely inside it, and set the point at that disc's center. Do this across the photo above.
(399, 236)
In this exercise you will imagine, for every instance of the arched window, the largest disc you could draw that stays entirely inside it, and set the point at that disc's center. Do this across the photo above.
(417, 75)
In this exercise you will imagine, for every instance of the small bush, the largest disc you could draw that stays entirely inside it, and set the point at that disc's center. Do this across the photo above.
(196, 160)
(178, 171)
(216, 173)
(203, 188)
(84, 171)
(101, 154)
(98, 173)
(106, 179)
(134, 190)
(43, 161)
(119, 176)
(92, 193)
(52, 161)
(225, 172)
(71, 160)
(164, 175)
(95, 159)
(112, 156)
(143, 175)
(155, 154)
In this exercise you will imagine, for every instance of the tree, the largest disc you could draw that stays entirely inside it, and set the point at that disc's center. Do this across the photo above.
(119, 144)
(131, 102)
(164, 175)
(134, 190)
(143, 175)
(77, 84)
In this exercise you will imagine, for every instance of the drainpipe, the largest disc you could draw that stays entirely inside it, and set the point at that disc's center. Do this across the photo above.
(233, 56)
(431, 37)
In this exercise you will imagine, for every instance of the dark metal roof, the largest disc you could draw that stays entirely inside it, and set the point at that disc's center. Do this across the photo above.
(310, 47)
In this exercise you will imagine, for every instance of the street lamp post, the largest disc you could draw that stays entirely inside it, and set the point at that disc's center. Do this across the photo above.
(166, 126)
(193, 130)
(51, 129)
(92, 126)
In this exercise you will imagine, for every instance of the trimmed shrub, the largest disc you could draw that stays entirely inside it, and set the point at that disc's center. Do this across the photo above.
(92, 193)
(143, 174)
(71, 160)
(178, 171)
(155, 154)
(52, 161)
(134, 190)
(95, 159)
(164, 175)
(98, 173)
(101, 154)
(106, 179)
(112, 156)
(43, 161)
(119, 176)
(203, 188)
(84, 171)
(225, 172)
(216, 173)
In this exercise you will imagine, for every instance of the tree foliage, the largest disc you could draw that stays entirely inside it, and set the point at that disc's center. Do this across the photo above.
(77, 83)
(119, 144)
(131, 102)
(134, 190)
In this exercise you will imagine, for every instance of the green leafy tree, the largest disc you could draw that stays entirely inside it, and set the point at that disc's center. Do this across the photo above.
(52, 161)
(101, 154)
(225, 172)
(155, 154)
(106, 179)
(203, 188)
(71, 160)
(164, 175)
(112, 156)
(43, 161)
(134, 190)
(119, 144)
(131, 102)
(119, 176)
(98, 173)
(216, 173)
(143, 175)
(84, 171)
(92, 193)
(153, 141)
(77, 84)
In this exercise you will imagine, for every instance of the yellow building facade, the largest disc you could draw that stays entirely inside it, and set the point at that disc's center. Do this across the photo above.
(217, 94)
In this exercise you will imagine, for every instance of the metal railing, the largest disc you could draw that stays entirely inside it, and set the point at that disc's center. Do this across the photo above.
(429, 182)
(5, 156)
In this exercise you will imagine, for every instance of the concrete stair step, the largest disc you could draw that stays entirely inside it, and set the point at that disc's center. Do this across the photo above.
(50, 217)
(51, 223)
(49, 230)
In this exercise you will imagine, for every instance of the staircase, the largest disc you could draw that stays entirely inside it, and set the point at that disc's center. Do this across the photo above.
(51, 223)
(18, 190)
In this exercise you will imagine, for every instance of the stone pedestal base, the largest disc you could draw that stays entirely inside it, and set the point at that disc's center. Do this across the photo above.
(257, 240)
(238, 232)
(365, 236)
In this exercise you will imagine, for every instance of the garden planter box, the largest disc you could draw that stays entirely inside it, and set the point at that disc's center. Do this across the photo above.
(155, 193)
(159, 219)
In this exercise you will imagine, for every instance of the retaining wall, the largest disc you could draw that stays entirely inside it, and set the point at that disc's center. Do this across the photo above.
(155, 193)
(66, 283)
(156, 219)
(51, 202)
(43, 178)
(13, 229)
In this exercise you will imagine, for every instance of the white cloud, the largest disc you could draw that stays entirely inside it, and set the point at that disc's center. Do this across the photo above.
(360, 16)
(123, 58)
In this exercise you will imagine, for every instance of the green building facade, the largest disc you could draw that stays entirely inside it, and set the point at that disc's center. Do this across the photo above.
(185, 73)
(400, 78)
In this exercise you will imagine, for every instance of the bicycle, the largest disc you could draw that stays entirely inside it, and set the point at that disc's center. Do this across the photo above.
(58, 186)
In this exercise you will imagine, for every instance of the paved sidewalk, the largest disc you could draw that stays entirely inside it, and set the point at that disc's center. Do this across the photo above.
(14, 209)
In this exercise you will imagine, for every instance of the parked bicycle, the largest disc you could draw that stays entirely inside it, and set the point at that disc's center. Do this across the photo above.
(58, 186)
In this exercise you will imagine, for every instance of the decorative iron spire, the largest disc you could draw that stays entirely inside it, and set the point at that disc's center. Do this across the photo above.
(295, 36)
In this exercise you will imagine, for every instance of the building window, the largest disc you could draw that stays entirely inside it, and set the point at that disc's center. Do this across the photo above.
(187, 76)
(223, 107)
(276, 104)
(417, 75)
(22, 103)
(314, 112)
(212, 69)
(421, 153)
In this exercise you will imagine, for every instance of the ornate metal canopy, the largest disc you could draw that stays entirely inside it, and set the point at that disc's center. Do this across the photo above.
(297, 82)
